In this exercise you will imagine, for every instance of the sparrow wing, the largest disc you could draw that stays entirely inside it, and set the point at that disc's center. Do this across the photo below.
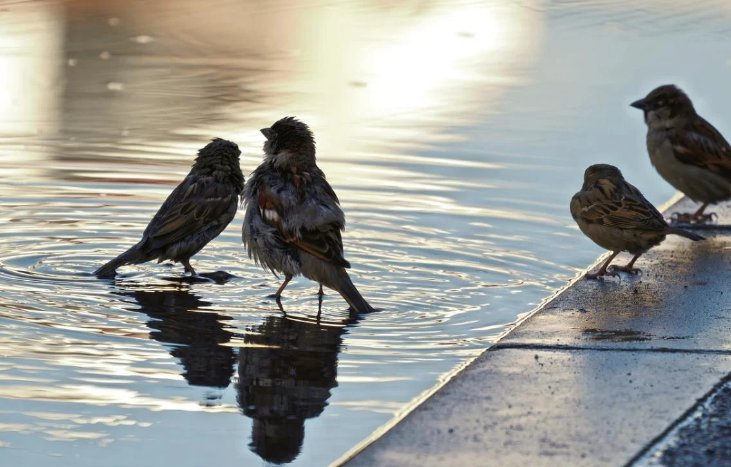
(618, 205)
(325, 243)
(191, 207)
(700, 144)
(312, 222)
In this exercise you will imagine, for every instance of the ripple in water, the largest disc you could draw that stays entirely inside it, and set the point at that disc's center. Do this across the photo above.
(153, 342)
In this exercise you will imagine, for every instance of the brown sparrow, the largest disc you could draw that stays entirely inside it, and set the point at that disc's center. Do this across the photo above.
(686, 150)
(293, 217)
(615, 216)
(193, 214)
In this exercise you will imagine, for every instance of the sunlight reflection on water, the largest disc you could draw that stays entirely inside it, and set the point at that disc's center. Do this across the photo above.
(453, 133)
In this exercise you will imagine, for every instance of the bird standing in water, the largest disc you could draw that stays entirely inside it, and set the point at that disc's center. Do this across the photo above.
(195, 212)
(686, 150)
(616, 216)
(293, 219)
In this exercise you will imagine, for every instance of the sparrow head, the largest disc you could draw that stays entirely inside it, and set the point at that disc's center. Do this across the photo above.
(219, 148)
(597, 172)
(219, 152)
(664, 103)
(289, 141)
(220, 157)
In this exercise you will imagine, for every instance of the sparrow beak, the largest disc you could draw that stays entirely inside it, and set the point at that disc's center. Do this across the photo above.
(267, 132)
(639, 104)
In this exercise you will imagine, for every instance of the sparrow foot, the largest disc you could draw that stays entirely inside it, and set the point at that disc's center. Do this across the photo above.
(627, 269)
(687, 218)
(600, 275)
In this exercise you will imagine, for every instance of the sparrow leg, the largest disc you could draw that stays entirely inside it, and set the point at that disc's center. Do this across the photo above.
(320, 293)
(188, 267)
(319, 305)
(629, 266)
(278, 293)
(603, 270)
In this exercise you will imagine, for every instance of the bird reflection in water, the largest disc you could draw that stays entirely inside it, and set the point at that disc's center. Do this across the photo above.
(286, 369)
(196, 336)
(286, 372)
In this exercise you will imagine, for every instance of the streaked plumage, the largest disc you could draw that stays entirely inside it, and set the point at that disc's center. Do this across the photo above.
(195, 213)
(293, 218)
(615, 215)
(685, 149)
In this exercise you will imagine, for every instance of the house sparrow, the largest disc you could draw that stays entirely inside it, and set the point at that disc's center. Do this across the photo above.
(615, 216)
(195, 212)
(293, 218)
(686, 150)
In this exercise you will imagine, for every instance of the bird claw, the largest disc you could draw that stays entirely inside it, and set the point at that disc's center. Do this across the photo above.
(601, 275)
(710, 218)
(691, 218)
(633, 271)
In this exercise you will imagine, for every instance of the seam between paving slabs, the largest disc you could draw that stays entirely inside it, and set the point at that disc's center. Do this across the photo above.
(680, 420)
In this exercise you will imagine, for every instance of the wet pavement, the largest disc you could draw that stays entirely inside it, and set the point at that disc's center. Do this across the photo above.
(630, 370)
(703, 438)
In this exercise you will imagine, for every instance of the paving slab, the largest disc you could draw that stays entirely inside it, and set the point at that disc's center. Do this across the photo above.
(599, 375)
(701, 439)
(547, 407)
(682, 300)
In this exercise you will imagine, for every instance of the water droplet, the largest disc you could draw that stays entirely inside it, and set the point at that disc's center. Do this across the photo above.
(115, 86)
(105, 55)
(71, 62)
(113, 21)
(143, 39)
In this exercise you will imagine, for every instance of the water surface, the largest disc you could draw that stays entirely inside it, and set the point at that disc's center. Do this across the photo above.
(453, 132)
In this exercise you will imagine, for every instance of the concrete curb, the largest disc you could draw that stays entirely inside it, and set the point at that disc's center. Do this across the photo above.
(599, 374)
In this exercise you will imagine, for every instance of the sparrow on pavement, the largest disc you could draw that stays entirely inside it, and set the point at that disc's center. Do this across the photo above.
(193, 214)
(686, 150)
(615, 216)
(293, 219)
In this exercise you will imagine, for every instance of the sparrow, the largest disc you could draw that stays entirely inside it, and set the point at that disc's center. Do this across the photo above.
(615, 215)
(293, 219)
(686, 150)
(197, 210)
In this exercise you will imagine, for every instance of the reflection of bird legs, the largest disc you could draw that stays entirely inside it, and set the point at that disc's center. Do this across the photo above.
(281, 308)
(188, 267)
(628, 267)
(603, 270)
(319, 304)
(697, 217)
(320, 293)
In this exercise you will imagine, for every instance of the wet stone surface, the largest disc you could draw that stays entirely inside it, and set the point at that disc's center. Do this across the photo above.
(703, 439)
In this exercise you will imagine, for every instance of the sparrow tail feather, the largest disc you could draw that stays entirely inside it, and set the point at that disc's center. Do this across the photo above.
(685, 233)
(351, 295)
(130, 256)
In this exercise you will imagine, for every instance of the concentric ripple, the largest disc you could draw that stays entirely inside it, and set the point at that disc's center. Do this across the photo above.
(156, 341)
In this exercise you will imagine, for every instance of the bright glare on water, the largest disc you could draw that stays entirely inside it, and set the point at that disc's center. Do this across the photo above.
(453, 132)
